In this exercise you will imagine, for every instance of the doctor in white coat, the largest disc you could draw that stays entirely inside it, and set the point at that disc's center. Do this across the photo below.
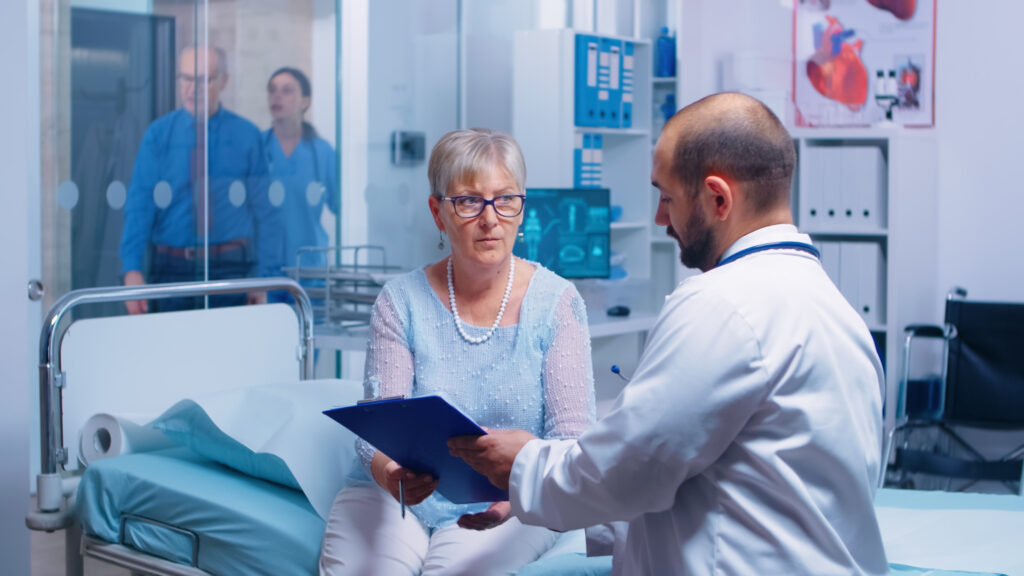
(749, 439)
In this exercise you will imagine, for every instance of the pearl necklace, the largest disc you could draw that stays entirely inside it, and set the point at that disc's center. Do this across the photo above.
(501, 310)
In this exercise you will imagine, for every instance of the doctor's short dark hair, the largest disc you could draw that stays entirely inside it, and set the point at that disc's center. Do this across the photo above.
(741, 140)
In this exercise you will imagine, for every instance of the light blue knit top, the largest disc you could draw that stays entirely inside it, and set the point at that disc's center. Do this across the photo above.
(535, 375)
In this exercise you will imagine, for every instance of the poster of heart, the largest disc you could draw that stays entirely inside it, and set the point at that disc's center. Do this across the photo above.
(864, 62)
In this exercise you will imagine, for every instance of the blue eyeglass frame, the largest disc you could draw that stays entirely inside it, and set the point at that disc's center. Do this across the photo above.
(486, 204)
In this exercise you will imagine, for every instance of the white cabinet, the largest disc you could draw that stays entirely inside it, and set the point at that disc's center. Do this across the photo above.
(545, 123)
(867, 198)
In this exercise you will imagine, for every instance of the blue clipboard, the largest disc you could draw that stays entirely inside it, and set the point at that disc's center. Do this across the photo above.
(414, 432)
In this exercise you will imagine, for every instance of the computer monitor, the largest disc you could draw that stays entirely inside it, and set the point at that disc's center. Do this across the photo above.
(567, 230)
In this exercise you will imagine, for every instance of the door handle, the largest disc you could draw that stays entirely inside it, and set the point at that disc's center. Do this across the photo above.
(35, 290)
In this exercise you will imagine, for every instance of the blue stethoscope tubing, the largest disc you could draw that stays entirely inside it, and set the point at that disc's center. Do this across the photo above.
(802, 246)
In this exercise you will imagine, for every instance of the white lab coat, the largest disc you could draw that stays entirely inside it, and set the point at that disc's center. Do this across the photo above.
(747, 442)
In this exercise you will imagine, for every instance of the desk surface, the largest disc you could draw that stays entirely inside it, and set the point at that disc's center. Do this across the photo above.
(602, 325)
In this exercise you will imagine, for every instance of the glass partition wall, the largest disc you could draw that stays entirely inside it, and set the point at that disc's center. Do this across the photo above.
(185, 140)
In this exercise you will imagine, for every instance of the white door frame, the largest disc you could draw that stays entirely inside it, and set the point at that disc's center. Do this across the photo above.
(19, 260)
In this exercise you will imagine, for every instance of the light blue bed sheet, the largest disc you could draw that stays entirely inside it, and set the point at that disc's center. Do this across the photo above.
(245, 525)
(925, 534)
(961, 533)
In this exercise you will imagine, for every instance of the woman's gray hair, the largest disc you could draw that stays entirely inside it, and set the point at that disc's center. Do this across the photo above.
(462, 155)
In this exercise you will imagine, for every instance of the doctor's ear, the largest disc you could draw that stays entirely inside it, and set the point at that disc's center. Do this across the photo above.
(723, 195)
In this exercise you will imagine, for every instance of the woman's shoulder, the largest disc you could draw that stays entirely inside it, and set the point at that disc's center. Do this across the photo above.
(549, 281)
(406, 280)
(547, 289)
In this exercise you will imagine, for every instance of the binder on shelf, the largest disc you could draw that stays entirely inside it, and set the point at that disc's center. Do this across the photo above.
(587, 169)
(829, 165)
(872, 283)
(627, 85)
(849, 272)
(862, 279)
(609, 91)
(812, 213)
(577, 159)
(595, 165)
(864, 187)
(587, 57)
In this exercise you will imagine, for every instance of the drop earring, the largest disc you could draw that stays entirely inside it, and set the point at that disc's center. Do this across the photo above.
(440, 241)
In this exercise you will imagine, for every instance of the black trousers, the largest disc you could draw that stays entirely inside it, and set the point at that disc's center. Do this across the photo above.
(226, 265)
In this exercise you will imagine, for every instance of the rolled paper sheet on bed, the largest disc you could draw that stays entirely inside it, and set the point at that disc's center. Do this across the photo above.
(107, 435)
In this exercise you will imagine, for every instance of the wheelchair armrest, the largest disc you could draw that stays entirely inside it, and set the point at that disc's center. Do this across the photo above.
(925, 331)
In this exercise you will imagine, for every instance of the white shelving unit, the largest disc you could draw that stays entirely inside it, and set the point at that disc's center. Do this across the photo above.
(544, 124)
(867, 198)
(666, 269)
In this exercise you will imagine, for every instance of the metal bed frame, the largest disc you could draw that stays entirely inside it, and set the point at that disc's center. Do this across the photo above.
(54, 481)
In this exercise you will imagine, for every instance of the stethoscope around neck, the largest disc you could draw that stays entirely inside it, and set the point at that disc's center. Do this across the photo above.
(269, 157)
(801, 246)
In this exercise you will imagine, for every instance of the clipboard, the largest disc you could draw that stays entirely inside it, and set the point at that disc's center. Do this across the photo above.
(414, 432)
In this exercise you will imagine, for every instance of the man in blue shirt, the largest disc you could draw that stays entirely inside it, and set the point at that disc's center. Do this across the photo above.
(199, 193)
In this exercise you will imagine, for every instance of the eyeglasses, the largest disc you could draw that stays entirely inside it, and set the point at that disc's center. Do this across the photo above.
(507, 205)
(202, 81)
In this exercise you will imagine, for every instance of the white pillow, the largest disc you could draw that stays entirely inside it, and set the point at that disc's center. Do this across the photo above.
(276, 432)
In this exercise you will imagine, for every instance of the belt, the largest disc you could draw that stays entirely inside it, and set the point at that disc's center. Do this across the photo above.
(193, 252)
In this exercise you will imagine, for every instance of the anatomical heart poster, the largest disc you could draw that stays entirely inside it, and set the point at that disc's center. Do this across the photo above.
(864, 62)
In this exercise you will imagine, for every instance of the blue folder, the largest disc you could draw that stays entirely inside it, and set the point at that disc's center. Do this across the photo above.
(585, 100)
(627, 84)
(609, 78)
(582, 141)
(414, 432)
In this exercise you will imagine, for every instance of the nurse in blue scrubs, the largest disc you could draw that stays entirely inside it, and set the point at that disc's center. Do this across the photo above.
(302, 167)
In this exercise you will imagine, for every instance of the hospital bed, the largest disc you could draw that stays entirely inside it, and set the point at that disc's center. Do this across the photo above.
(169, 355)
(185, 510)
(925, 533)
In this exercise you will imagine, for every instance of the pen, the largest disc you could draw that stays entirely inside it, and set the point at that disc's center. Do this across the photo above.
(616, 371)
(401, 495)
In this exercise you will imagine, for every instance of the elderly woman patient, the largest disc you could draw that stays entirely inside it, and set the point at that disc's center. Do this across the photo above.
(502, 339)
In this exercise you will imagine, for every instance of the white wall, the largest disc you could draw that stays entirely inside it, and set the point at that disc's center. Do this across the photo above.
(979, 90)
(19, 164)
(411, 84)
(977, 125)
(709, 30)
(488, 31)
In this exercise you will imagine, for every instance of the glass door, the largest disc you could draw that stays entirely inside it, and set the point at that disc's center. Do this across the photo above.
(185, 140)
(182, 140)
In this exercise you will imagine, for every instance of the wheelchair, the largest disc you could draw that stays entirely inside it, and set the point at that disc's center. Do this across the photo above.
(946, 425)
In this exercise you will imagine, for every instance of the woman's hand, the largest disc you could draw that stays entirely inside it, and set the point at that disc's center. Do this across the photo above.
(496, 514)
(387, 473)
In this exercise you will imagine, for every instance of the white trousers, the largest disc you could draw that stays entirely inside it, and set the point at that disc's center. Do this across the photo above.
(366, 535)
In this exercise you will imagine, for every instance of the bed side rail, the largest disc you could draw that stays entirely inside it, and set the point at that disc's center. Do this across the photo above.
(54, 455)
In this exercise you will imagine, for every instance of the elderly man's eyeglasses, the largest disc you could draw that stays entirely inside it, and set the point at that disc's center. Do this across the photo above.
(508, 205)
(201, 81)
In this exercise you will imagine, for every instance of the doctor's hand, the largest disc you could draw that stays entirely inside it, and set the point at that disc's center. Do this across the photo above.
(387, 473)
(491, 454)
(495, 515)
